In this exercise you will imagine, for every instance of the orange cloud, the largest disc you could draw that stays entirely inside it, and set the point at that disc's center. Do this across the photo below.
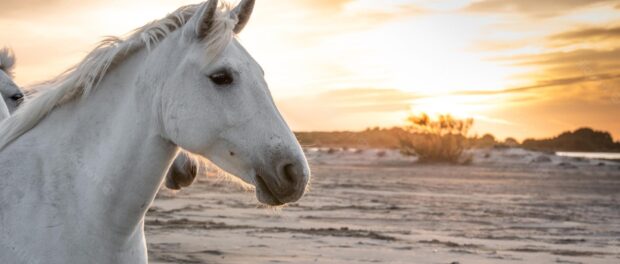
(534, 8)
(326, 5)
(546, 84)
(589, 34)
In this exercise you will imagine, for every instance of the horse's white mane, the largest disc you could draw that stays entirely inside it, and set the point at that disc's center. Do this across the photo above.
(7, 61)
(82, 79)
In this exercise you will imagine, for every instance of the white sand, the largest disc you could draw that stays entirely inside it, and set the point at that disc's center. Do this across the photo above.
(509, 206)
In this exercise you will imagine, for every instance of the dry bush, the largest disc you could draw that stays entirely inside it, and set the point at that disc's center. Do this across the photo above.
(440, 140)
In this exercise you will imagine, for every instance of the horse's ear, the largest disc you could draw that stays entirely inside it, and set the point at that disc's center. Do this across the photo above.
(242, 12)
(7, 60)
(202, 21)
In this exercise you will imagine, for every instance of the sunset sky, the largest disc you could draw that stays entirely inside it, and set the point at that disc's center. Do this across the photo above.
(521, 68)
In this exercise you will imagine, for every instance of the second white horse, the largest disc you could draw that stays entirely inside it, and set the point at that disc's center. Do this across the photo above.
(9, 92)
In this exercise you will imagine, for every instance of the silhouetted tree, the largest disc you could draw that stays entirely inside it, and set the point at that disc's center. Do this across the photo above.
(441, 140)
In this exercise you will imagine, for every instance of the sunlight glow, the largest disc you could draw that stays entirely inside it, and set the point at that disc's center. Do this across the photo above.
(435, 56)
(422, 54)
(457, 106)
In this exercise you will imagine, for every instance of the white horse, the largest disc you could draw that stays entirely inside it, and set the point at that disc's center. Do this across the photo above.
(183, 170)
(82, 161)
(11, 94)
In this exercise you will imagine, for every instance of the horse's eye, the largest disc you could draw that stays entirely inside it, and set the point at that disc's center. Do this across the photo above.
(17, 97)
(221, 78)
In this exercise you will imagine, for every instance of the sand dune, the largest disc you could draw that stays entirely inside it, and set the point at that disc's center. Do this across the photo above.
(375, 206)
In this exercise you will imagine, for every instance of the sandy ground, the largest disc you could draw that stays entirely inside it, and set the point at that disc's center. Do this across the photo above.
(510, 206)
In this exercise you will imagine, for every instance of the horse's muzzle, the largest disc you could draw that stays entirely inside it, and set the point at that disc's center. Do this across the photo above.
(286, 184)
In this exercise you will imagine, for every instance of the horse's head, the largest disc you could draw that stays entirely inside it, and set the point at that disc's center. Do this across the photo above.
(216, 103)
(11, 94)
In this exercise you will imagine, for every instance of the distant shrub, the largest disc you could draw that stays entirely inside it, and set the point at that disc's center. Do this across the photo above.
(508, 143)
(511, 142)
(486, 141)
(441, 140)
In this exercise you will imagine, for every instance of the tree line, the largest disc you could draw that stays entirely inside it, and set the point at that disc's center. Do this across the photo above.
(445, 139)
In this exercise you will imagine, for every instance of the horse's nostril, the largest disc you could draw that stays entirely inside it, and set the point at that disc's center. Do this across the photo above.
(289, 183)
(290, 174)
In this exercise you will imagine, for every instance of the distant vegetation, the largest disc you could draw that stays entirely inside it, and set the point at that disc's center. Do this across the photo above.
(583, 139)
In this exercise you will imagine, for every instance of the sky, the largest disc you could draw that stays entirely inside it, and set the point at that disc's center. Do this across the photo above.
(520, 68)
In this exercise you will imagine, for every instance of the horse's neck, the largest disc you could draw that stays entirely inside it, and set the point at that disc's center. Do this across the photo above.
(108, 147)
